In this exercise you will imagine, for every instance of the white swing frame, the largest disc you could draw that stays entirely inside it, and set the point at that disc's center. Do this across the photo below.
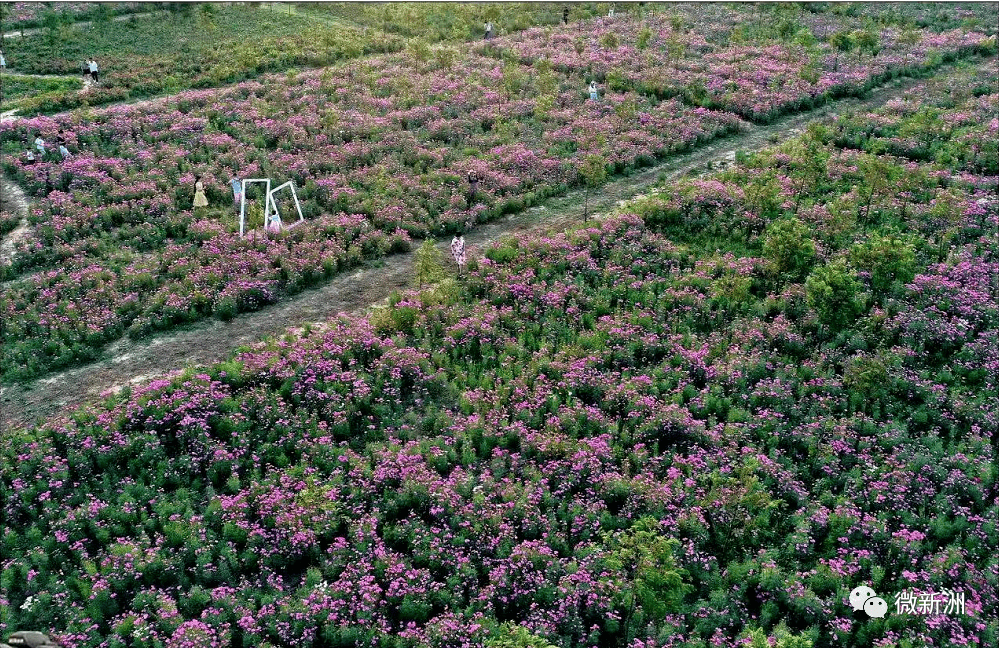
(272, 217)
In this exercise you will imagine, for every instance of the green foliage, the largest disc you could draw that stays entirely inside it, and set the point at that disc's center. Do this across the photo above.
(889, 260)
(511, 635)
(429, 263)
(610, 40)
(787, 244)
(644, 38)
(651, 585)
(781, 637)
(594, 173)
(834, 293)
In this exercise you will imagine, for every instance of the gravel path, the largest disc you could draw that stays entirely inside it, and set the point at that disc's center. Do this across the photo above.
(128, 362)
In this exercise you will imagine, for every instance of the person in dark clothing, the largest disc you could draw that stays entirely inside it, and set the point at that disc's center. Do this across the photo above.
(473, 187)
(565, 16)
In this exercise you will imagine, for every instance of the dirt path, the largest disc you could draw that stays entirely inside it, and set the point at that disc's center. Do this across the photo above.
(128, 362)
(31, 31)
(12, 201)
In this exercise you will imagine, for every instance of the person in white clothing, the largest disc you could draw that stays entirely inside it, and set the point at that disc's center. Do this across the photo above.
(93, 70)
(40, 143)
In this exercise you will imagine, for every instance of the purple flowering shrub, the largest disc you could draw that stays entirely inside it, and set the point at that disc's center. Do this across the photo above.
(634, 434)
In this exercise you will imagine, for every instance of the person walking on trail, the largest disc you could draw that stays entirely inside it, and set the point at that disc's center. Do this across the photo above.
(237, 192)
(200, 200)
(594, 94)
(489, 30)
(458, 252)
(93, 70)
(473, 187)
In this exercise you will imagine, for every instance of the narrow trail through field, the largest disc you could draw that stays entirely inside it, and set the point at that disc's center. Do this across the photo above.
(12, 201)
(31, 31)
(128, 362)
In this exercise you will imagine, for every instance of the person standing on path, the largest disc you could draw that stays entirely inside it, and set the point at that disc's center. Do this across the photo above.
(237, 192)
(458, 252)
(200, 200)
(93, 70)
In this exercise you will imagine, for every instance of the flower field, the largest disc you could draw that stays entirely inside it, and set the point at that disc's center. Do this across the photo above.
(708, 55)
(701, 422)
(23, 15)
(379, 148)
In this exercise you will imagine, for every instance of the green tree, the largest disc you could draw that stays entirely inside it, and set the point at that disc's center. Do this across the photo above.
(866, 41)
(889, 260)
(808, 164)
(594, 172)
(788, 245)
(511, 635)
(650, 584)
(429, 263)
(782, 637)
(514, 79)
(644, 38)
(841, 42)
(879, 176)
(834, 293)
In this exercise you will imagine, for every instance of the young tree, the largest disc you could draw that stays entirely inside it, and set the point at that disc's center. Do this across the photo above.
(594, 172)
(429, 263)
(651, 585)
(889, 260)
(866, 41)
(879, 176)
(834, 293)
(841, 41)
(788, 245)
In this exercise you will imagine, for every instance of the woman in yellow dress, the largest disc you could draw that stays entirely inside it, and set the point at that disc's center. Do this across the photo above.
(200, 200)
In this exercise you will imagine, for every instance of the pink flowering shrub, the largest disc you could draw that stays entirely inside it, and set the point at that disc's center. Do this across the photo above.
(631, 434)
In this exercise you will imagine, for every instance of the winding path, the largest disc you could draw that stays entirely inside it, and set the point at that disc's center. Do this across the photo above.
(128, 362)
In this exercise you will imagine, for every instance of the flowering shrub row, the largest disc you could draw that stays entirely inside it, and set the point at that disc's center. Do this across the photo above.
(656, 431)
(376, 152)
(690, 51)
